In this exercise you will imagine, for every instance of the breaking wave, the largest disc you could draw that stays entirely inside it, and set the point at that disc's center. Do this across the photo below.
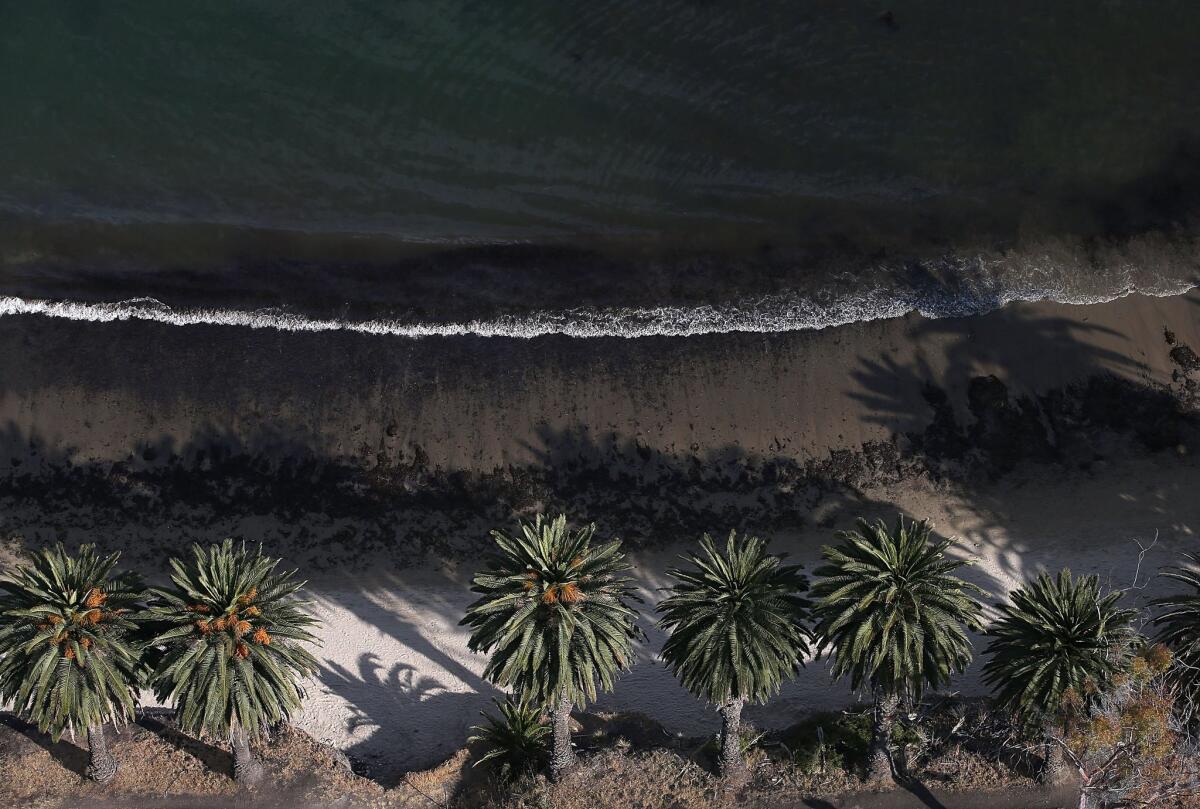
(783, 312)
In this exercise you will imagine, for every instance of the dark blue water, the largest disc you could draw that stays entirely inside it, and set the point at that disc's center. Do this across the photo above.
(249, 154)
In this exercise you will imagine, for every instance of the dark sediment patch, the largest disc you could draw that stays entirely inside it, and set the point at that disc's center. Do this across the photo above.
(648, 497)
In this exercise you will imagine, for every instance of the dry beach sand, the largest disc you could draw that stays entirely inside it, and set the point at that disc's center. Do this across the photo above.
(378, 465)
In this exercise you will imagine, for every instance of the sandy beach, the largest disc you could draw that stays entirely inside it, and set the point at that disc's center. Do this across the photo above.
(149, 394)
(1041, 435)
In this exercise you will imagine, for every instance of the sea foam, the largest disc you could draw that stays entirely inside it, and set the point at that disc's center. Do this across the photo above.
(781, 312)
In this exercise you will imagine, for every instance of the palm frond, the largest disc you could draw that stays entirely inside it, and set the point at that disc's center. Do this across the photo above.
(554, 612)
(231, 641)
(515, 739)
(1055, 634)
(1178, 619)
(736, 621)
(891, 610)
(67, 657)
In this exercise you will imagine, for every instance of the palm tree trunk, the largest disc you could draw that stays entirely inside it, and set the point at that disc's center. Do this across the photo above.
(247, 770)
(879, 759)
(562, 757)
(1054, 764)
(102, 766)
(729, 759)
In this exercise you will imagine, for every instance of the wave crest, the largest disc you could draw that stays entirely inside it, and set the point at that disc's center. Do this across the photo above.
(782, 312)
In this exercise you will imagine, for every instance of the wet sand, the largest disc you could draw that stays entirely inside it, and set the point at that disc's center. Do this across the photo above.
(150, 393)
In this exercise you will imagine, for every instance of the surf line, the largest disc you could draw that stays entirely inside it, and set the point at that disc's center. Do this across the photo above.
(763, 315)
(768, 314)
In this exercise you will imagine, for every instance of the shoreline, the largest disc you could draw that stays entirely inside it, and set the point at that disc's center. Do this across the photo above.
(151, 397)
(768, 314)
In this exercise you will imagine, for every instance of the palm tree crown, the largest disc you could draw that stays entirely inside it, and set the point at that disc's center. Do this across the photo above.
(1054, 634)
(736, 621)
(1179, 623)
(890, 608)
(233, 650)
(554, 612)
(66, 660)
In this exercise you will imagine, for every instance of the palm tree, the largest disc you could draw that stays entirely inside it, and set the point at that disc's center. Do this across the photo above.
(515, 740)
(737, 630)
(1055, 636)
(554, 611)
(66, 657)
(1180, 627)
(895, 618)
(233, 649)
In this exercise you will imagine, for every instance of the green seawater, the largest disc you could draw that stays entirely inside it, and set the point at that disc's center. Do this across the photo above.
(648, 121)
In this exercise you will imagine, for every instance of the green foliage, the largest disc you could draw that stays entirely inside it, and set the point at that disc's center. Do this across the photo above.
(555, 612)
(829, 741)
(1179, 627)
(816, 757)
(232, 646)
(891, 610)
(838, 741)
(736, 621)
(516, 739)
(66, 657)
(1054, 635)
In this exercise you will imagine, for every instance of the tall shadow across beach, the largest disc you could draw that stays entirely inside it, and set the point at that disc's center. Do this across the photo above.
(1022, 389)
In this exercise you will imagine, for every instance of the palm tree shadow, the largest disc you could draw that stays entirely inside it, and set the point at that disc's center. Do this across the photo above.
(214, 758)
(920, 791)
(68, 755)
(383, 698)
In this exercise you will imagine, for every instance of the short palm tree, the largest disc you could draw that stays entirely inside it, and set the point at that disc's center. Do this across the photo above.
(737, 630)
(895, 617)
(515, 740)
(1055, 635)
(67, 660)
(233, 647)
(554, 611)
(1179, 622)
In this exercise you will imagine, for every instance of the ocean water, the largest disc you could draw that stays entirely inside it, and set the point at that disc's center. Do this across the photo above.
(591, 168)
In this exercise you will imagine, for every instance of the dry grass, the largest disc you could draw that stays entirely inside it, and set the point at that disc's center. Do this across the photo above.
(621, 778)
(629, 762)
(160, 767)
(11, 551)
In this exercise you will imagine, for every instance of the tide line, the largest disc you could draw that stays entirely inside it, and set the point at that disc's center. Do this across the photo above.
(766, 314)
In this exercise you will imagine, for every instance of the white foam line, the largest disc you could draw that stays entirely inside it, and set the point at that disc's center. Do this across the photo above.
(768, 314)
